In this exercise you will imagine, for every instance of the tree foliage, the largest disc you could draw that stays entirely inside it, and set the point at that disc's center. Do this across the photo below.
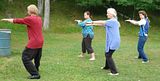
(138, 4)
(87, 3)
(2, 5)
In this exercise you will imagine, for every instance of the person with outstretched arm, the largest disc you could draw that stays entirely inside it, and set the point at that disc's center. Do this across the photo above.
(112, 38)
(33, 49)
(88, 35)
(143, 34)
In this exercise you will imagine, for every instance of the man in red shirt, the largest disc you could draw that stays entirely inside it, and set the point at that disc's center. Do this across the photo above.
(33, 48)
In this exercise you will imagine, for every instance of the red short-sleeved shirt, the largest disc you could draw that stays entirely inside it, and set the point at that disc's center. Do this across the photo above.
(34, 29)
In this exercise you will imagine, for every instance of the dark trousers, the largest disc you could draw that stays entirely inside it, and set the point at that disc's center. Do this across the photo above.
(28, 55)
(86, 45)
(110, 62)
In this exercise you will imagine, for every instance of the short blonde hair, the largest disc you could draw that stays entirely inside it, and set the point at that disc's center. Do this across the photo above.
(33, 9)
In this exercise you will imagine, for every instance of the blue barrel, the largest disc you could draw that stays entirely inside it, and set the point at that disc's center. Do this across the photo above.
(5, 37)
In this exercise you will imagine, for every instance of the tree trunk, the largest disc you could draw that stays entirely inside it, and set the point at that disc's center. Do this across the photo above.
(40, 7)
(46, 14)
(134, 9)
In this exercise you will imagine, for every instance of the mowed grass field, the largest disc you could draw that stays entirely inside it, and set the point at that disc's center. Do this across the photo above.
(60, 61)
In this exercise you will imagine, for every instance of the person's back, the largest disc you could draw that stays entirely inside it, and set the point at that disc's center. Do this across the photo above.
(33, 50)
(34, 27)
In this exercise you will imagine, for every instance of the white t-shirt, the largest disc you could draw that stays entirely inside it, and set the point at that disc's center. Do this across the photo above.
(142, 22)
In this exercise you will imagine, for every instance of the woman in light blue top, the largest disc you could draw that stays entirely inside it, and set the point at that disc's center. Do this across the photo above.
(143, 34)
(88, 34)
(112, 38)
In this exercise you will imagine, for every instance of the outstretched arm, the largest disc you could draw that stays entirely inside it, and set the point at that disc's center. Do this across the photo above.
(96, 23)
(7, 20)
(133, 22)
(80, 23)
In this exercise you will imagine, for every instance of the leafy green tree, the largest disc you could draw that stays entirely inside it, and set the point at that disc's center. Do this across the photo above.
(88, 3)
(148, 5)
(137, 4)
(140, 4)
(132, 5)
(2, 4)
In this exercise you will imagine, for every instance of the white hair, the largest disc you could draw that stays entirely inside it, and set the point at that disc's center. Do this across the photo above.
(112, 11)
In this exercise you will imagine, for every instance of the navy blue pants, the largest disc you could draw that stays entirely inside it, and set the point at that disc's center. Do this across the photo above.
(141, 42)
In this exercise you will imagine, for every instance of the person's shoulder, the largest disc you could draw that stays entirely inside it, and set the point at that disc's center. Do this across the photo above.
(111, 20)
(88, 20)
(28, 17)
(32, 17)
(38, 16)
(142, 20)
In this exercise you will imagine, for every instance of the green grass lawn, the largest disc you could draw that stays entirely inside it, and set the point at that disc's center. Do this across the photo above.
(62, 46)
(60, 62)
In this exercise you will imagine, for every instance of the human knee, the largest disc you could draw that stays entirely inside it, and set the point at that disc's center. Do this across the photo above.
(108, 55)
(25, 59)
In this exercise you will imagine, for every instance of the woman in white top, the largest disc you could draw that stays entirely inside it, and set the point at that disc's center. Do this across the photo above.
(143, 34)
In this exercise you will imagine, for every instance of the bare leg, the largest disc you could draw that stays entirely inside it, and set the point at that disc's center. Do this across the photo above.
(92, 56)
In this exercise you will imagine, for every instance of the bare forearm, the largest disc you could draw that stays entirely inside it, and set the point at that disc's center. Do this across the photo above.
(94, 25)
(7, 20)
(133, 22)
(99, 23)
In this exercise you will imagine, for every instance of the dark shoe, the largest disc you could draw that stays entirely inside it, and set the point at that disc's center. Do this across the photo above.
(34, 77)
(137, 57)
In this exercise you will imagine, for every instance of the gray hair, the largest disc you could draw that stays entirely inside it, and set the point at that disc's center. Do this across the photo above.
(112, 11)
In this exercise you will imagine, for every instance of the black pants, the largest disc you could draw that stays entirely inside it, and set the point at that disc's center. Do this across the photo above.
(110, 62)
(28, 55)
(86, 45)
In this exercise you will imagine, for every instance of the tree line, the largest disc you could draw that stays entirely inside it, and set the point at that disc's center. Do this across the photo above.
(124, 7)
(138, 4)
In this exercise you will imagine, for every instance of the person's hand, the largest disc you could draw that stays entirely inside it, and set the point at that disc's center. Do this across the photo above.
(4, 19)
(7, 20)
(77, 20)
(128, 20)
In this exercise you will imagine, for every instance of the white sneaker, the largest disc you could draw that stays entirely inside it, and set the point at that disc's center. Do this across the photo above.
(145, 62)
(113, 74)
